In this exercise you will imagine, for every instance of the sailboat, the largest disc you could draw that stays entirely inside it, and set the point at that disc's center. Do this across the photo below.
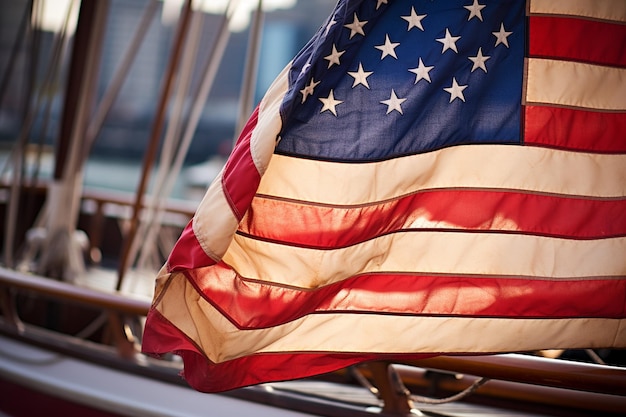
(71, 328)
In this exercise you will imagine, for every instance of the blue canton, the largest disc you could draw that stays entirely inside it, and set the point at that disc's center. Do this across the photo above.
(389, 78)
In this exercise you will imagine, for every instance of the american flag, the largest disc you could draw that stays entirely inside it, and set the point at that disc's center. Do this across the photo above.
(424, 178)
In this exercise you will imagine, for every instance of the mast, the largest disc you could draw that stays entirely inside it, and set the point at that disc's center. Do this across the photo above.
(62, 247)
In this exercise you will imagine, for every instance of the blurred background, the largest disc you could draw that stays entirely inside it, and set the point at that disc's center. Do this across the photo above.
(36, 39)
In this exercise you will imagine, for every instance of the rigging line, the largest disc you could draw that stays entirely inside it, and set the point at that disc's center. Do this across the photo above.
(456, 397)
(34, 51)
(210, 70)
(17, 153)
(120, 76)
(61, 46)
(50, 73)
(86, 88)
(246, 101)
(595, 357)
(171, 140)
(33, 63)
(361, 379)
(92, 326)
(355, 372)
(153, 141)
(105, 104)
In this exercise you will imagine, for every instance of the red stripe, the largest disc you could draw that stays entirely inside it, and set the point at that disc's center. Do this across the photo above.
(187, 252)
(575, 129)
(578, 40)
(239, 181)
(251, 304)
(402, 294)
(251, 370)
(205, 376)
(241, 178)
(306, 225)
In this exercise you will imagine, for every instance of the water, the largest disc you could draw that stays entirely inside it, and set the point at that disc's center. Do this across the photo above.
(124, 175)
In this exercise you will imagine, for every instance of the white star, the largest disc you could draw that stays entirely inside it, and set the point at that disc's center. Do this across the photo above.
(360, 76)
(421, 72)
(328, 26)
(449, 42)
(388, 48)
(414, 20)
(333, 58)
(501, 36)
(479, 60)
(475, 10)
(393, 103)
(456, 91)
(308, 90)
(380, 2)
(356, 26)
(330, 103)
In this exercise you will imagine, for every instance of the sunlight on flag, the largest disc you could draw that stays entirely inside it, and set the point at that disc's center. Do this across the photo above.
(423, 178)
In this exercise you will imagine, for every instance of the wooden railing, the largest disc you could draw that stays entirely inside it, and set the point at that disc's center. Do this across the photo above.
(66, 292)
(99, 209)
(535, 371)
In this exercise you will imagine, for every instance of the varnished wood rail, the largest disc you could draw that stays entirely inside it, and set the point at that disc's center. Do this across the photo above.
(68, 292)
(517, 368)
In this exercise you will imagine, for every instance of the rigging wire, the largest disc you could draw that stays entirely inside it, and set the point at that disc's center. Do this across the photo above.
(172, 137)
(105, 104)
(151, 148)
(209, 71)
(18, 151)
(361, 379)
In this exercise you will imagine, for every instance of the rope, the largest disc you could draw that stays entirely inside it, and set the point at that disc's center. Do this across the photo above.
(417, 398)
(458, 396)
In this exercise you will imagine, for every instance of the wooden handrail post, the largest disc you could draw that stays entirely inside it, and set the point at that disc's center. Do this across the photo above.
(7, 305)
(396, 398)
(123, 341)
(96, 231)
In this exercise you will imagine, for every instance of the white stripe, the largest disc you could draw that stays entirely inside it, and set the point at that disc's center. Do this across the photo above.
(429, 252)
(611, 10)
(506, 167)
(575, 84)
(265, 134)
(370, 333)
(214, 222)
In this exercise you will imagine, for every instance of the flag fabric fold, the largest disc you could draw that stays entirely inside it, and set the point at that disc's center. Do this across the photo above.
(423, 178)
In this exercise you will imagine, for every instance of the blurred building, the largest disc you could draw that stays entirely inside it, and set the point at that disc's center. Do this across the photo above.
(127, 127)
